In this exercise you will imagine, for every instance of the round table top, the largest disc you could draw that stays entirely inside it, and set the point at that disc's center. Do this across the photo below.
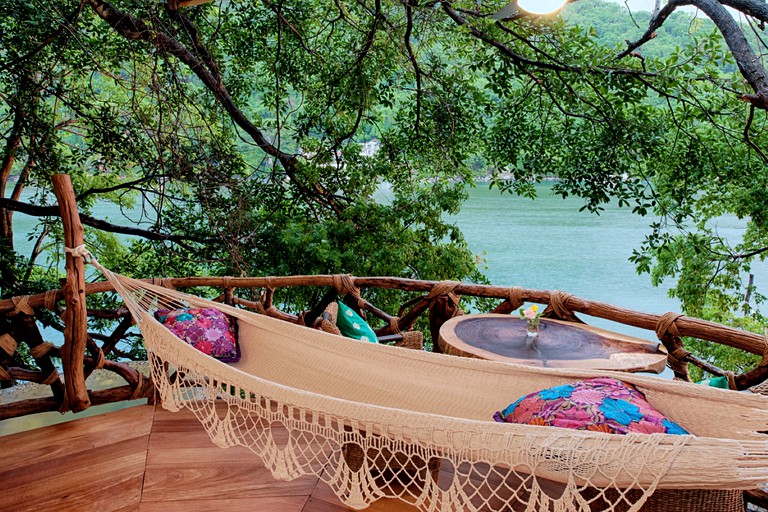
(560, 344)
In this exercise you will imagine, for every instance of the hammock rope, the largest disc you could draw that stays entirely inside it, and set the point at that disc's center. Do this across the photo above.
(21, 305)
(394, 325)
(445, 288)
(558, 304)
(435, 445)
(667, 333)
(8, 344)
(50, 300)
(40, 350)
(515, 297)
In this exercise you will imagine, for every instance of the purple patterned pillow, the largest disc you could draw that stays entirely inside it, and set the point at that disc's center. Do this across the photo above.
(208, 330)
(601, 404)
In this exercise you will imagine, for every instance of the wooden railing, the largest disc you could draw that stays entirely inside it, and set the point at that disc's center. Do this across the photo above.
(439, 300)
(84, 351)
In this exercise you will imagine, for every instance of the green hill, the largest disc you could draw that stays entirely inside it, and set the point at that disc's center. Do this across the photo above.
(614, 25)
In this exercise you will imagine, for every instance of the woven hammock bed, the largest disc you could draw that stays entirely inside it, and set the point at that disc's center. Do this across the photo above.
(413, 414)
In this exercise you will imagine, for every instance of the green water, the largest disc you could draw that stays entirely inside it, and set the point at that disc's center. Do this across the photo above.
(548, 244)
(24, 226)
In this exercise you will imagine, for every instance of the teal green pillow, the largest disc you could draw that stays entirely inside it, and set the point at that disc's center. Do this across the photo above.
(717, 382)
(352, 326)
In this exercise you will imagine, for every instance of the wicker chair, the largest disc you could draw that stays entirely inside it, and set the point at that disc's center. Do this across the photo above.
(410, 339)
(678, 500)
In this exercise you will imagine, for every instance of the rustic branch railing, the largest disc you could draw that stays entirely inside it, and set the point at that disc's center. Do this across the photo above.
(75, 315)
(686, 326)
(440, 299)
(71, 394)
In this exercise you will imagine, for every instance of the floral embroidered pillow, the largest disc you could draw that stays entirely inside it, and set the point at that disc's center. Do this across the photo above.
(601, 404)
(208, 330)
(352, 325)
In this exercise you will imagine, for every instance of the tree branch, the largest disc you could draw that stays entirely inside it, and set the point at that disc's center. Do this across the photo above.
(53, 211)
(414, 62)
(748, 62)
(48, 40)
(745, 255)
(11, 145)
(523, 63)
(748, 139)
(275, 9)
(757, 10)
(123, 185)
(516, 58)
(135, 29)
(216, 85)
(656, 22)
(370, 37)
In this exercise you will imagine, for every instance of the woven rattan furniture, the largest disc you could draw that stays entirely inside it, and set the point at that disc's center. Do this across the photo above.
(671, 500)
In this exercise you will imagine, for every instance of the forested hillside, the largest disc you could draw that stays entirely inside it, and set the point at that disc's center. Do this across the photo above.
(614, 26)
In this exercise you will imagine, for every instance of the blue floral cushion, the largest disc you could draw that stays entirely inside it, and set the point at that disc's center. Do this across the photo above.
(601, 404)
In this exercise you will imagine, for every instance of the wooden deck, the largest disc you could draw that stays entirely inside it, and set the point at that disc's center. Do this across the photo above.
(148, 460)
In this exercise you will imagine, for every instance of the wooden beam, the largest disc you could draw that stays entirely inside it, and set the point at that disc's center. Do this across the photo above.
(687, 326)
(441, 309)
(48, 404)
(76, 314)
(25, 329)
(191, 3)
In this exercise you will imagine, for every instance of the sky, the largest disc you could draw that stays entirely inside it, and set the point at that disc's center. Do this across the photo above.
(637, 5)
(647, 5)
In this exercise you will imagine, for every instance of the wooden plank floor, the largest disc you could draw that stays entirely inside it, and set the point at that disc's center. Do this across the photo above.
(148, 460)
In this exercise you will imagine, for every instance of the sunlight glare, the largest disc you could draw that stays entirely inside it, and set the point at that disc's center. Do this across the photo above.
(541, 6)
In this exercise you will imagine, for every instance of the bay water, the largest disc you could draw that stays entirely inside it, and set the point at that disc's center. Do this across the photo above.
(548, 244)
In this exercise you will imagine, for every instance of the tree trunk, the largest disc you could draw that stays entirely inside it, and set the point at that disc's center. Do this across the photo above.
(9, 157)
(76, 314)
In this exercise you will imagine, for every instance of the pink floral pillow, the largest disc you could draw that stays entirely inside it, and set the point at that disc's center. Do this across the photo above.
(208, 330)
(601, 404)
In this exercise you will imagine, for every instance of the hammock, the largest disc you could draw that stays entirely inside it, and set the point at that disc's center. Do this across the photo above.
(407, 411)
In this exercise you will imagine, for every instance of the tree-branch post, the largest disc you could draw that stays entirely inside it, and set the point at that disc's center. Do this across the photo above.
(441, 309)
(76, 314)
